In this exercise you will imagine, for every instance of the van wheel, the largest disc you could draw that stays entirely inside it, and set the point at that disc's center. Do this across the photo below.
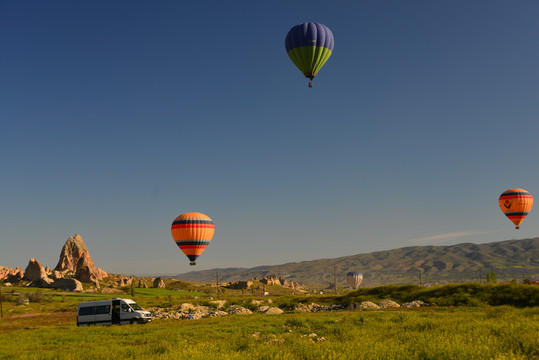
(135, 321)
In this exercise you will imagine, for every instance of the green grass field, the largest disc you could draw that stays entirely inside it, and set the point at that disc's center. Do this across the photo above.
(47, 330)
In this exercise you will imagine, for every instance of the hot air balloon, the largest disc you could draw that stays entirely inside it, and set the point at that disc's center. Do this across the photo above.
(309, 46)
(516, 204)
(354, 279)
(192, 232)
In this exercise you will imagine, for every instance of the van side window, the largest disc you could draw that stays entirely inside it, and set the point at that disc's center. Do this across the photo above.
(94, 310)
(85, 311)
(103, 309)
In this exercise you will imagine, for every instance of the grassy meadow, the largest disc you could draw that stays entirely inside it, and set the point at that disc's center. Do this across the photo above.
(476, 330)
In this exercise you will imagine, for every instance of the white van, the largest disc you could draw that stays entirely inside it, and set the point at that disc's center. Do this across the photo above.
(113, 311)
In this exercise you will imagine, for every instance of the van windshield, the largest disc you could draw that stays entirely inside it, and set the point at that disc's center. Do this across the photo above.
(135, 306)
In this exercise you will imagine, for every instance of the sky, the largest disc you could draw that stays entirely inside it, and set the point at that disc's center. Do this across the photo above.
(118, 116)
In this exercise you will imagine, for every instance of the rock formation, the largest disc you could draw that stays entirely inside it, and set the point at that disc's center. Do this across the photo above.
(35, 272)
(267, 280)
(159, 283)
(86, 271)
(125, 281)
(11, 275)
(68, 284)
(74, 261)
(274, 280)
(279, 280)
(239, 284)
(75, 258)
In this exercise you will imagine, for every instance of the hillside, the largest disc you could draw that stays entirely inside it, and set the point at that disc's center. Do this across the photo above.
(511, 259)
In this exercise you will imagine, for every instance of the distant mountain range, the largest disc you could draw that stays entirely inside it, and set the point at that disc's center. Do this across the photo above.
(511, 259)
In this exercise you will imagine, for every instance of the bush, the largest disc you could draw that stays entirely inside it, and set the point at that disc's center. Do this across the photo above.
(470, 294)
(36, 296)
(22, 299)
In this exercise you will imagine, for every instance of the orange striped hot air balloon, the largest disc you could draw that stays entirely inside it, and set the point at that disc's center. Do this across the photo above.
(192, 232)
(516, 204)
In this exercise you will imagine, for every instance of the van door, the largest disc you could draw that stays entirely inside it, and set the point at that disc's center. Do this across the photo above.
(126, 312)
(116, 312)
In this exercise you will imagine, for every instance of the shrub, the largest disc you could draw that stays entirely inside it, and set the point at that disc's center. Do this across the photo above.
(22, 299)
(36, 296)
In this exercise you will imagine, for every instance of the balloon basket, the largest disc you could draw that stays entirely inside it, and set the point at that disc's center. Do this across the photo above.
(310, 84)
(517, 227)
(192, 263)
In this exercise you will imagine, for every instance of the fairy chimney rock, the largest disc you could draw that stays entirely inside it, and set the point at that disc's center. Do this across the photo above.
(86, 270)
(71, 254)
(75, 257)
(35, 271)
(159, 283)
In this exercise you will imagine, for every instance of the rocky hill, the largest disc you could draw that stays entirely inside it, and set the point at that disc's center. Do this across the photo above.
(512, 259)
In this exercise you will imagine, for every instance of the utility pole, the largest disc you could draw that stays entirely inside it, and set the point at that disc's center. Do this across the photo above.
(217, 284)
(480, 278)
(335, 279)
(1, 308)
(420, 277)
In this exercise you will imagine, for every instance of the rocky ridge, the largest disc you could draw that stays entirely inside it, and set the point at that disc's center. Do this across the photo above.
(74, 267)
(266, 280)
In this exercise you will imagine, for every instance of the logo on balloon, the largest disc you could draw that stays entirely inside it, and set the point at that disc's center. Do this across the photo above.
(507, 204)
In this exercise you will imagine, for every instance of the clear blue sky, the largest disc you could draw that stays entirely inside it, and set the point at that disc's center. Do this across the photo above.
(117, 116)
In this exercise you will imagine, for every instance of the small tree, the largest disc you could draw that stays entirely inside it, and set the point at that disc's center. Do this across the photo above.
(488, 278)
(493, 278)
(132, 290)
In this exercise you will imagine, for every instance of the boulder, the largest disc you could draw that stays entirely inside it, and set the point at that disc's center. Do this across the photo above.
(217, 313)
(273, 311)
(142, 284)
(69, 284)
(306, 307)
(236, 309)
(415, 303)
(368, 305)
(388, 304)
(186, 307)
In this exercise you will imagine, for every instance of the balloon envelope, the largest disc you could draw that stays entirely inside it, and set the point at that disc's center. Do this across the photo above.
(192, 232)
(516, 204)
(354, 279)
(309, 46)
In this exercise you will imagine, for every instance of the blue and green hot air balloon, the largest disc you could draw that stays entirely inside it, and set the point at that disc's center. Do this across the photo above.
(309, 46)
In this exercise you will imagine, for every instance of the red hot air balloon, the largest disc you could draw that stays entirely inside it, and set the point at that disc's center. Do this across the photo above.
(192, 232)
(516, 204)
